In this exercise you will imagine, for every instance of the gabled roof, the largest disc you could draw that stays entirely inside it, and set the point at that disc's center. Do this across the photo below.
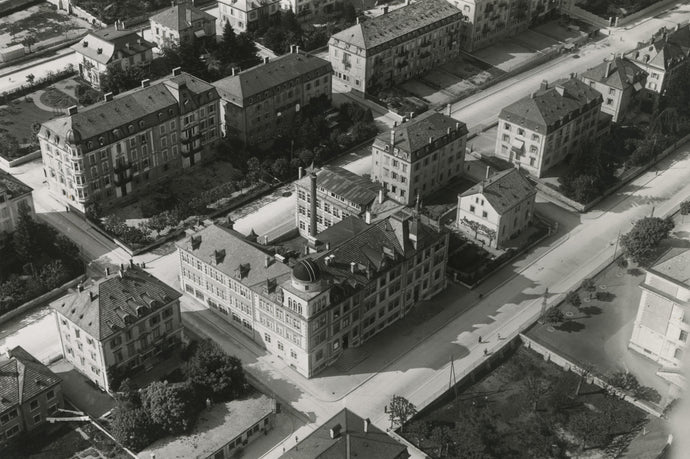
(22, 378)
(107, 306)
(180, 17)
(414, 135)
(113, 44)
(675, 265)
(352, 439)
(545, 108)
(619, 73)
(12, 187)
(387, 27)
(661, 54)
(237, 88)
(345, 229)
(342, 182)
(503, 190)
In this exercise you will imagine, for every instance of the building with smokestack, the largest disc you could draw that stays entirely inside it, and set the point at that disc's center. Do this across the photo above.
(619, 81)
(118, 325)
(339, 194)
(498, 208)
(108, 152)
(307, 308)
(419, 157)
(111, 46)
(392, 48)
(540, 130)
(182, 23)
(260, 103)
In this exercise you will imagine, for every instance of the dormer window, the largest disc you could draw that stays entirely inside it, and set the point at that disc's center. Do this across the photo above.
(99, 51)
(101, 141)
(141, 123)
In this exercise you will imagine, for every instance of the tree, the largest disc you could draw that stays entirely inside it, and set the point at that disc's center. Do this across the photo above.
(641, 242)
(574, 299)
(228, 49)
(592, 428)
(280, 168)
(215, 374)
(172, 407)
(554, 315)
(25, 235)
(133, 427)
(684, 209)
(535, 389)
(247, 52)
(9, 145)
(52, 275)
(29, 41)
(30, 78)
(400, 410)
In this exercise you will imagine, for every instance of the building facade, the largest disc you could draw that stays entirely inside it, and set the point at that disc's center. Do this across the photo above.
(540, 130)
(119, 325)
(619, 81)
(260, 103)
(29, 394)
(108, 152)
(498, 208)
(339, 194)
(419, 157)
(244, 15)
(662, 323)
(111, 46)
(183, 23)
(394, 47)
(308, 311)
(13, 195)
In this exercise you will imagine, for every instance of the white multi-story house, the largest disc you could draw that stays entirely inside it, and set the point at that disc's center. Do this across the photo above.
(244, 15)
(183, 23)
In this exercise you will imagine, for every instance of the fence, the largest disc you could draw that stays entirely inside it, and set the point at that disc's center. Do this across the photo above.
(40, 300)
(586, 16)
(622, 22)
(85, 15)
(41, 83)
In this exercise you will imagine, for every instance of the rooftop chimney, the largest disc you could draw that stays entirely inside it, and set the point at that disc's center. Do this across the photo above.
(380, 195)
(267, 261)
(312, 219)
(357, 20)
(367, 217)
(385, 9)
(366, 425)
(353, 267)
(608, 69)
(80, 288)
(145, 83)
(92, 296)
(232, 70)
(188, 15)
(107, 271)
(72, 110)
(448, 110)
(544, 84)
(488, 172)
(297, 49)
(266, 59)
(300, 172)
(431, 140)
(176, 71)
(108, 96)
(392, 137)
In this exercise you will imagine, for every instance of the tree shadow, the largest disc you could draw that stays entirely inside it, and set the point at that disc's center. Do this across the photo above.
(606, 296)
(590, 311)
(570, 326)
(635, 272)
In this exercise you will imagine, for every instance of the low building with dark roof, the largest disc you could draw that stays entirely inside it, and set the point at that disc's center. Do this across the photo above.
(260, 103)
(113, 45)
(182, 23)
(419, 157)
(619, 81)
(347, 435)
(308, 307)
(13, 195)
(118, 325)
(389, 49)
(540, 130)
(339, 194)
(498, 208)
(29, 394)
(126, 144)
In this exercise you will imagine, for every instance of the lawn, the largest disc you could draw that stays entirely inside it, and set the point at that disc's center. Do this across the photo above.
(55, 98)
(525, 408)
(41, 22)
(19, 116)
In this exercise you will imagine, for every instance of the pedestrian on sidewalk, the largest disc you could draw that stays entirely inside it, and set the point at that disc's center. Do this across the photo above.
(486, 351)
(499, 337)
(480, 339)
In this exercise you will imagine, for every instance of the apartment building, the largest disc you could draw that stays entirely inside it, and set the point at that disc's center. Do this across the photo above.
(306, 8)
(13, 195)
(394, 47)
(109, 152)
(244, 15)
(662, 323)
(118, 325)
(540, 130)
(111, 46)
(29, 393)
(182, 23)
(488, 21)
(419, 157)
(307, 311)
(260, 103)
(619, 81)
(339, 194)
(498, 208)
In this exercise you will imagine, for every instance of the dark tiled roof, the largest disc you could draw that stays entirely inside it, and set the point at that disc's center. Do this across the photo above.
(115, 299)
(503, 190)
(661, 54)
(12, 187)
(342, 231)
(621, 73)
(153, 104)
(22, 378)
(230, 252)
(371, 444)
(342, 182)
(542, 110)
(176, 17)
(237, 88)
(111, 42)
(390, 26)
(413, 136)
